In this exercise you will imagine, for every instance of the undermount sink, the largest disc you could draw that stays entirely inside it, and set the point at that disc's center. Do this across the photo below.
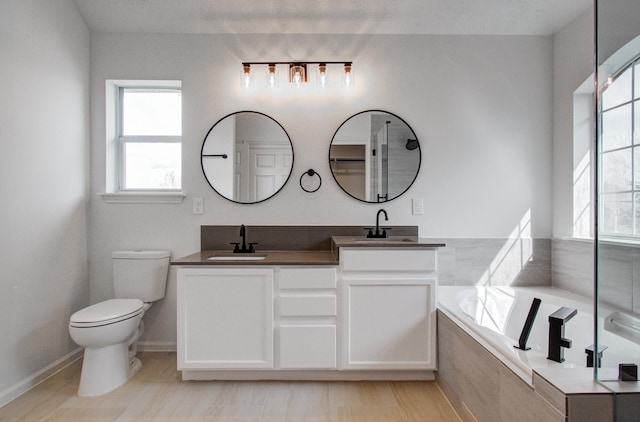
(236, 257)
(387, 240)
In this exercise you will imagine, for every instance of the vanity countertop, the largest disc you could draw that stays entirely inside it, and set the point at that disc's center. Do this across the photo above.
(304, 257)
(408, 242)
(270, 258)
(386, 242)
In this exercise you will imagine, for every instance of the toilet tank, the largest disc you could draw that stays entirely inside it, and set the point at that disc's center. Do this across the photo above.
(140, 274)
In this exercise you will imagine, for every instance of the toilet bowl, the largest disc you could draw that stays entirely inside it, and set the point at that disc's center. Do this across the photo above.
(109, 330)
(105, 330)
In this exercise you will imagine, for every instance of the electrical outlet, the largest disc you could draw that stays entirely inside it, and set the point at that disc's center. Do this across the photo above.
(198, 205)
(417, 206)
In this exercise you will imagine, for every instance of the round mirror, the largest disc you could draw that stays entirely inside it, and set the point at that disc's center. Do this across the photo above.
(375, 156)
(247, 157)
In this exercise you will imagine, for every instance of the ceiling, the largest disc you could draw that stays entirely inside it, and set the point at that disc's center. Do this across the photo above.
(465, 17)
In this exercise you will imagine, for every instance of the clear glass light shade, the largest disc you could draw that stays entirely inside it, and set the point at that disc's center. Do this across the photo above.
(298, 74)
(347, 78)
(272, 76)
(247, 77)
(322, 76)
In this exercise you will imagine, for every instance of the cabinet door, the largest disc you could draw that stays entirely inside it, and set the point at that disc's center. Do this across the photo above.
(225, 318)
(308, 346)
(389, 324)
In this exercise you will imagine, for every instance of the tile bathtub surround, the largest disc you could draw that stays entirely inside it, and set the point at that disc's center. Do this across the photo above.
(494, 262)
(619, 266)
(482, 388)
(294, 238)
(572, 267)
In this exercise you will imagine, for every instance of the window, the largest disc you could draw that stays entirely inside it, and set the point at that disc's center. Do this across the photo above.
(149, 138)
(620, 155)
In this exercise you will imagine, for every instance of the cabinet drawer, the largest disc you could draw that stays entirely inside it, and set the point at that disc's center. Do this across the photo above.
(388, 259)
(307, 305)
(307, 278)
(308, 346)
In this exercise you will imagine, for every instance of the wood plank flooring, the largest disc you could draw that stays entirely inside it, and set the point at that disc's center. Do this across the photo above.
(157, 393)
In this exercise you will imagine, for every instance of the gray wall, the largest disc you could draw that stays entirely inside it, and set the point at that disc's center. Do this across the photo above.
(44, 114)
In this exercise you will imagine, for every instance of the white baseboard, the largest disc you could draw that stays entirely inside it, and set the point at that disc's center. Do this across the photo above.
(157, 346)
(28, 383)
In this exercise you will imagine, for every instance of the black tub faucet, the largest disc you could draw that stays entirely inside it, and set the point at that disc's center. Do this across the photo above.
(379, 234)
(557, 342)
(528, 324)
(243, 249)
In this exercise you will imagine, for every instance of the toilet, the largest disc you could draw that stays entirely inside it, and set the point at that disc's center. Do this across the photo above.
(109, 330)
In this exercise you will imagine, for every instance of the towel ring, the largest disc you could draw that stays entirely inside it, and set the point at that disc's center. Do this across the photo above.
(311, 173)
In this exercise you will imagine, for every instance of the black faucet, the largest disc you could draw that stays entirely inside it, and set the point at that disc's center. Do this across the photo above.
(594, 358)
(244, 249)
(528, 324)
(557, 342)
(379, 234)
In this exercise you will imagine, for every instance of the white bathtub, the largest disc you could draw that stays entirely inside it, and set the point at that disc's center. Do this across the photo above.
(494, 316)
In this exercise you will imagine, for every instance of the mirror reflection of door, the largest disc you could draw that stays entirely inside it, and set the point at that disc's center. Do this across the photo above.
(374, 156)
(268, 167)
(259, 157)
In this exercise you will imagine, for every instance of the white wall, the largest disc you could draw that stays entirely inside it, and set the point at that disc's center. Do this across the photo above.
(573, 63)
(481, 107)
(44, 114)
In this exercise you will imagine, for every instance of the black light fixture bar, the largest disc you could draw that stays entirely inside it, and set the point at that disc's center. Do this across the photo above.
(295, 62)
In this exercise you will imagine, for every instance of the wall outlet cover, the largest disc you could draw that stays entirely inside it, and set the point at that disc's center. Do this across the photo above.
(198, 205)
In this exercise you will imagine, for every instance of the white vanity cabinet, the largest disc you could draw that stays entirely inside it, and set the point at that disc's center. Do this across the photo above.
(225, 318)
(388, 308)
(306, 311)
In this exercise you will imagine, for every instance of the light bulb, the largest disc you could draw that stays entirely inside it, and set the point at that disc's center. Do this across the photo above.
(348, 75)
(272, 75)
(247, 79)
(323, 79)
(298, 74)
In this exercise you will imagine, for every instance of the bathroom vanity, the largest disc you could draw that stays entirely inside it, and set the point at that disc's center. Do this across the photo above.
(357, 309)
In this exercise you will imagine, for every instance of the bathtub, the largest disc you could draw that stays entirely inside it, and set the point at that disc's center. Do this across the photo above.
(494, 317)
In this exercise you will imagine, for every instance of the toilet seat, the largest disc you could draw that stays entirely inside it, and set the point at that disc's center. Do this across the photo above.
(108, 312)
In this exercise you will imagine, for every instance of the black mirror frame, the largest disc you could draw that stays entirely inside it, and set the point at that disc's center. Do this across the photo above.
(202, 156)
(419, 155)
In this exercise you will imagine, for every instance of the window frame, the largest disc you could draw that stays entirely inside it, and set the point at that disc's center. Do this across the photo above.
(631, 149)
(114, 164)
(122, 140)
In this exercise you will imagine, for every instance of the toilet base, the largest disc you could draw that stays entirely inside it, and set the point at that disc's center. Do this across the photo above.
(105, 369)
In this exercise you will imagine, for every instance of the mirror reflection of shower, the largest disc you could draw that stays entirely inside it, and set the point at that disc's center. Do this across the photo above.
(375, 156)
(380, 164)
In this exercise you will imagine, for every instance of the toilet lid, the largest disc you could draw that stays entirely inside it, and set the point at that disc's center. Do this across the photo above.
(107, 312)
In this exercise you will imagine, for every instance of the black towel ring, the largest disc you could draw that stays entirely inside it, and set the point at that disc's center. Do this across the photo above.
(311, 173)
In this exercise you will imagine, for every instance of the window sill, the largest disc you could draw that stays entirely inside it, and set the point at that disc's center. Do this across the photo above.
(606, 240)
(619, 241)
(143, 197)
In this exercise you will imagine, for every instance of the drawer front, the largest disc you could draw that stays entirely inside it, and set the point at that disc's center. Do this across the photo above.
(307, 305)
(308, 346)
(388, 259)
(307, 278)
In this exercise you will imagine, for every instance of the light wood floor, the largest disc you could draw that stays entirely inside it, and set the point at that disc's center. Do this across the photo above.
(157, 393)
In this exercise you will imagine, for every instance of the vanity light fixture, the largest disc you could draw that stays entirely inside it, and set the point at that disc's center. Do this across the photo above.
(298, 73)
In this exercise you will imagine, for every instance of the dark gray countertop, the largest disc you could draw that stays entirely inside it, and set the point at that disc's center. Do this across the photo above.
(305, 257)
(270, 258)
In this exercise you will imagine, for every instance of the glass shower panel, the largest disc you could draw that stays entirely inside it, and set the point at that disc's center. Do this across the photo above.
(617, 234)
